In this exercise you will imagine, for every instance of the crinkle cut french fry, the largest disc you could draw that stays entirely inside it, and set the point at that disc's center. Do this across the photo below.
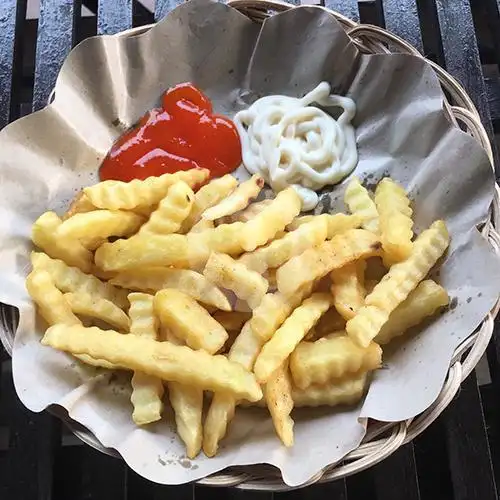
(202, 225)
(187, 403)
(232, 320)
(359, 202)
(244, 351)
(237, 200)
(274, 218)
(50, 301)
(190, 282)
(421, 303)
(69, 250)
(220, 413)
(332, 357)
(206, 197)
(395, 222)
(335, 223)
(71, 279)
(55, 310)
(342, 391)
(228, 273)
(117, 195)
(80, 204)
(280, 251)
(100, 224)
(278, 395)
(316, 262)
(189, 321)
(176, 250)
(99, 308)
(147, 390)
(273, 310)
(396, 285)
(348, 288)
(287, 337)
(171, 211)
(160, 359)
(251, 211)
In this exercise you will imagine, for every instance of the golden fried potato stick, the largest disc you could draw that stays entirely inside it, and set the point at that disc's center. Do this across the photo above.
(201, 225)
(189, 321)
(291, 244)
(171, 211)
(273, 310)
(187, 403)
(70, 250)
(99, 308)
(160, 359)
(147, 391)
(348, 288)
(191, 283)
(232, 320)
(71, 279)
(228, 273)
(421, 303)
(359, 202)
(346, 391)
(278, 395)
(80, 204)
(395, 222)
(244, 351)
(274, 218)
(190, 250)
(251, 211)
(317, 262)
(397, 284)
(206, 197)
(55, 310)
(331, 357)
(117, 195)
(287, 337)
(335, 223)
(100, 224)
(237, 200)
(50, 301)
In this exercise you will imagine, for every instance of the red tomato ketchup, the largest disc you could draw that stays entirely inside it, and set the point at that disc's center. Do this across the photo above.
(182, 134)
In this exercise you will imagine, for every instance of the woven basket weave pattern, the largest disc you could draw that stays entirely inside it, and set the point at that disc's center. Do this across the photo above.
(382, 439)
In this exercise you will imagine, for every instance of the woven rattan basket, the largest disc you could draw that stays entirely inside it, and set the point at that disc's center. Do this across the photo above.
(382, 439)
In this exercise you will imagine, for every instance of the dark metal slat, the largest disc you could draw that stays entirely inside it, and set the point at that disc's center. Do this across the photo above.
(10, 11)
(461, 52)
(348, 8)
(33, 440)
(396, 477)
(113, 16)
(209, 493)
(401, 17)
(138, 487)
(468, 448)
(163, 7)
(54, 41)
(82, 473)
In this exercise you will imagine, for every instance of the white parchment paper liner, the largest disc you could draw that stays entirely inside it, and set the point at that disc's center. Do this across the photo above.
(107, 83)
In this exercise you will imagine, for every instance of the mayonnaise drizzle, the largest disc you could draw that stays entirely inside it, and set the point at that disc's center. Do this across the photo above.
(291, 143)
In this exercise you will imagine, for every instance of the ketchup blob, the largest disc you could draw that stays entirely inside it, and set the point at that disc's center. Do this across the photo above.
(182, 134)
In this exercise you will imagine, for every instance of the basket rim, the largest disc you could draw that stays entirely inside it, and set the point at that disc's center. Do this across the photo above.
(368, 39)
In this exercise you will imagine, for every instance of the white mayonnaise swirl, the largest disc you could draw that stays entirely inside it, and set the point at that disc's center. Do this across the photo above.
(291, 143)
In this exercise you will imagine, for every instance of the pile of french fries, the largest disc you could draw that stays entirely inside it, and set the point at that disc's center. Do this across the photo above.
(195, 288)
